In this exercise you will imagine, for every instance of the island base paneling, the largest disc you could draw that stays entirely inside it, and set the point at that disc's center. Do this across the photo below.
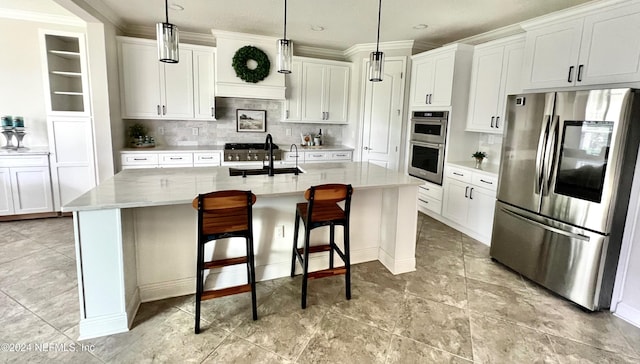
(155, 254)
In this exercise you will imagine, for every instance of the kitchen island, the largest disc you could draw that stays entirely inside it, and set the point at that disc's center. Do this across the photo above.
(136, 232)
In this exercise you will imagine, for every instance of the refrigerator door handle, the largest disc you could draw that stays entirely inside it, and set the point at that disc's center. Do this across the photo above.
(547, 227)
(551, 152)
(542, 145)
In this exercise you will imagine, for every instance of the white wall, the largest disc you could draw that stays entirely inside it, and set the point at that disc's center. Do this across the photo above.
(21, 80)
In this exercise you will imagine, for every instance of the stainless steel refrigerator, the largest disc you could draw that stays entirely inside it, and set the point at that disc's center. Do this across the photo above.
(565, 177)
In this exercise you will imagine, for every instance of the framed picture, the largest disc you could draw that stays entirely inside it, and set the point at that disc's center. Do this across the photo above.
(251, 121)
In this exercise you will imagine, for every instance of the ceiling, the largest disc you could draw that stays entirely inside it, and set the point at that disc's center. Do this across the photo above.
(345, 23)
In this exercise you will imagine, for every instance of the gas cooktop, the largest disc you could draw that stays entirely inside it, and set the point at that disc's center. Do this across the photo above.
(246, 146)
(249, 152)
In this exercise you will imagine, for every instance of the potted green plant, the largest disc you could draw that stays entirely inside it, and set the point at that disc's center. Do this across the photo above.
(138, 135)
(479, 156)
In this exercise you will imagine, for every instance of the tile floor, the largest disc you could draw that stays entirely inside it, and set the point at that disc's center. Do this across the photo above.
(457, 307)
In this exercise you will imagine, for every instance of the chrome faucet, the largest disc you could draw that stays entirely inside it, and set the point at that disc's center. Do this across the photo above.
(268, 145)
(290, 150)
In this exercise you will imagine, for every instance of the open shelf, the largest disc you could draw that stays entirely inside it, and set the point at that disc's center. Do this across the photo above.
(66, 77)
(67, 74)
(65, 54)
(68, 93)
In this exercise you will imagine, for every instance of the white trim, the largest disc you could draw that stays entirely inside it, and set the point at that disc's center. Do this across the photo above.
(396, 266)
(42, 17)
(217, 33)
(486, 240)
(245, 90)
(572, 13)
(496, 34)
(384, 46)
(103, 326)
(107, 13)
(132, 307)
(149, 32)
(309, 51)
(628, 313)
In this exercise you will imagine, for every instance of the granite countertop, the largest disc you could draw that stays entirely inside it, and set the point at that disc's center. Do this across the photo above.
(208, 148)
(171, 186)
(486, 168)
(324, 147)
(24, 151)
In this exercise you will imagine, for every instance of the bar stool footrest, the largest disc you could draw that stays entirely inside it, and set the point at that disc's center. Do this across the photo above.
(316, 249)
(224, 262)
(215, 293)
(327, 273)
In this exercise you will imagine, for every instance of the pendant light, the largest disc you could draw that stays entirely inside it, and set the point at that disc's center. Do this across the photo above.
(285, 48)
(167, 36)
(376, 60)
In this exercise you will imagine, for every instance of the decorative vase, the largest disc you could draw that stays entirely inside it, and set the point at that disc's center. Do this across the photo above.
(479, 163)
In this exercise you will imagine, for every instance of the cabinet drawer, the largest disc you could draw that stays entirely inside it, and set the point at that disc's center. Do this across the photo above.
(25, 161)
(341, 155)
(316, 156)
(431, 191)
(485, 181)
(206, 159)
(291, 157)
(176, 158)
(430, 204)
(139, 159)
(458, 174)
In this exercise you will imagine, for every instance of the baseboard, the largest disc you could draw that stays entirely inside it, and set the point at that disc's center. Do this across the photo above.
(628, 313)
(103, 326)
(486, 240)
(39, 215)
(237, 275)
(396, 266)
(132, 307)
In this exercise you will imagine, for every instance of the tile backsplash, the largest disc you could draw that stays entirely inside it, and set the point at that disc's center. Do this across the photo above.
(492, 145)
(223, 130)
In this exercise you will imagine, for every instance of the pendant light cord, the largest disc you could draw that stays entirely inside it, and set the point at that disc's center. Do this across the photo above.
(166, 9)
(379, 12)
(285, 19)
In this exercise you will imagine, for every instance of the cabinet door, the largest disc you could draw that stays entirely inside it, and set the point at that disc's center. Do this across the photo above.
(610, 49)
(442, 80)
(337, 94)
(481, 209)
(140, 80)
(204, 85)
(178, 87)
(293, 82)
(456, 202)
(313, 91)
(551, 55)
(31, 188)
(422, 81)
(485, 89)
(6, 199)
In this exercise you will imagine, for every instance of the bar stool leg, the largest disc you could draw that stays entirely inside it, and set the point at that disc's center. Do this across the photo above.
(252, 277)
(347, 263)
(305, 266)
(332, 243)
(295, 244)
(199, 284)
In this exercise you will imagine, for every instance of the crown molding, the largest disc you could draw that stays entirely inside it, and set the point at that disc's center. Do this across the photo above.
(106, 12)
(42, 17)
(422, 46)
(384, 46)
(503, 32)
(573, 12)
(308, 51)
(149, 32)
(217, 33)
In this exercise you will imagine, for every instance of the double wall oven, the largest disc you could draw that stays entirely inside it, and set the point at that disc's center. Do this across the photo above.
(426, 147)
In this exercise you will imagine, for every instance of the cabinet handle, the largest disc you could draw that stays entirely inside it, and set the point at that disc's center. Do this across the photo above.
(327, 116)
(458, 174)
(164, 110)
(158, 107)
(287, 114)
(206, 157)
(426, 99)
(466, 192)
(139, 159)
(176, 158)
(492, 120)
(213, 113)
(569, 79)
(430, 97)
(497, 120)
(471, 194)
(579, 78)
(487, 182)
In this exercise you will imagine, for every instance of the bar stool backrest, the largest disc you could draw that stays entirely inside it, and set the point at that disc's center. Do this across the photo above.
(224, 211)
(322, 196)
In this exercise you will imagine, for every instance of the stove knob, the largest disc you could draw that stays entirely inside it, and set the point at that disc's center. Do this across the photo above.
(237, 157)
(229, 157)
(266, 157)
(255, 157)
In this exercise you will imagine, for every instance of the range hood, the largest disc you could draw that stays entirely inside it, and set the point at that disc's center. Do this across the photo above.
(230, 85)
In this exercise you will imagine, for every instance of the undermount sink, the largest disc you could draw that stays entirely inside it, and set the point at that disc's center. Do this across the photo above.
(264, 170)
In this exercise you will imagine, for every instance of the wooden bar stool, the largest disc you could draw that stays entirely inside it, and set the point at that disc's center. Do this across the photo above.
(224, 214)
(322, 209)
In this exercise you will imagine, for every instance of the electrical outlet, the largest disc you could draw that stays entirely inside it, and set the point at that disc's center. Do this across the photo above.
(161, 130)
(194, 131)
(280, 231)
(288, 131)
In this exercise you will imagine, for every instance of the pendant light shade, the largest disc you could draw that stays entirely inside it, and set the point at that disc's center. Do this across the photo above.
(376, 60)
(167, 36)
(285, 48)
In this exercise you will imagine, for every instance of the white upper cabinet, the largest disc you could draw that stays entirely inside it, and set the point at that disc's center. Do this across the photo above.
(318, 91)
(495, 74)
(204, 84)
(433, 73)
(599, 48)
(155, 90)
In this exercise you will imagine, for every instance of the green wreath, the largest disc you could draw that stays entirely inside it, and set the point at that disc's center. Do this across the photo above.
(242, 56)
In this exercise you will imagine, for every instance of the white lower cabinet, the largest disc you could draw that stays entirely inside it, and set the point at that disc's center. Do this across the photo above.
(25, 185)
(469, 200)
(318, 156)
(169, 159)
(430, 198)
